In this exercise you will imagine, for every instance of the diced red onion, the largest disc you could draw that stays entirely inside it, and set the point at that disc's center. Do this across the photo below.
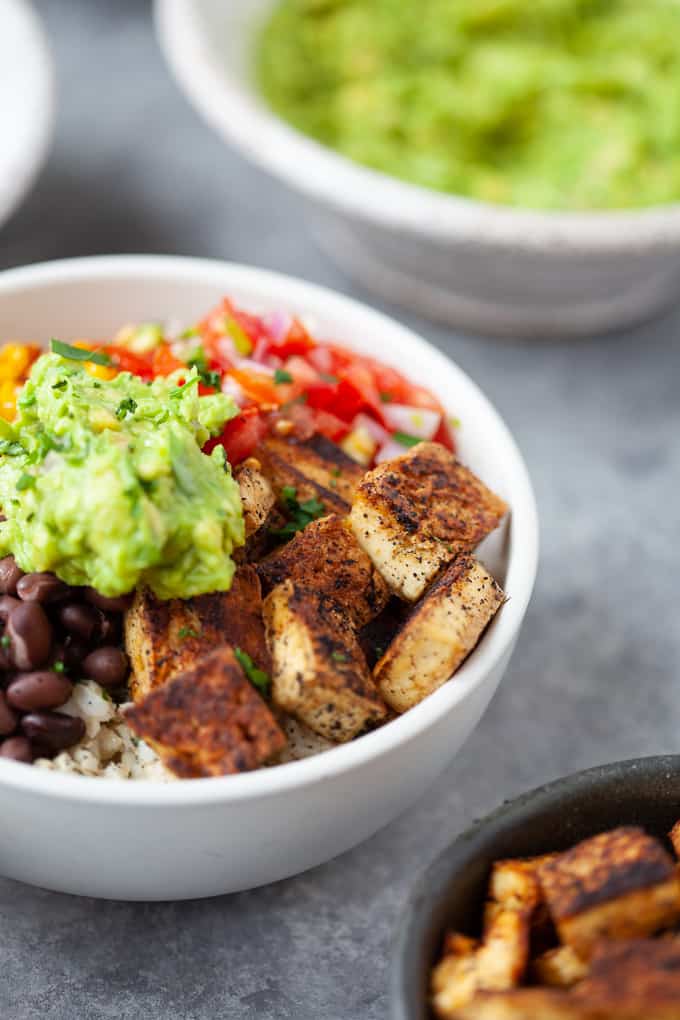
(232, 389)
(279, 324)
(374, 429)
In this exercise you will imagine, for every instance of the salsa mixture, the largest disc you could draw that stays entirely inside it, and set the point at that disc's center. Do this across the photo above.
(557, 104)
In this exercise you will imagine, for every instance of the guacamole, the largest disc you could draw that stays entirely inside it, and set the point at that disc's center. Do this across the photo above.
(553, 104)
(104, 482)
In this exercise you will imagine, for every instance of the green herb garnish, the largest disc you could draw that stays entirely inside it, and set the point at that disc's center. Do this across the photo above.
(179, 390)
(58, 667)
(385, 397)
(79, 353)
(26, 481)
(5, 641)
(61, 385)
(11, 448)
(327, 377)
(300, 514)
(186, 632)
(126, 406)
(338, 656)
(405, 439)
(257, 677)
(281, 376)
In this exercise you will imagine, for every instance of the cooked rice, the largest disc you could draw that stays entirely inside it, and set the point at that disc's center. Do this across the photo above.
(109, 749)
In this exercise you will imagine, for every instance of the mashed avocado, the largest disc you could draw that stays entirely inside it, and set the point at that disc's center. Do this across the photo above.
(105, 484)
(552, 104)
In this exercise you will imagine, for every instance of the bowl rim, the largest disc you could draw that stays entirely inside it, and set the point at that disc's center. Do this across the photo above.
(521, 568)
(241, 116)
(27, 164)
(414, 917)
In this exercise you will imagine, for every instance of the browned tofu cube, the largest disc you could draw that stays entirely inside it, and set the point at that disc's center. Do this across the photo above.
(209, 721)
(166, 638)
(292, 464)
(319, 672)
(639, 977)
(326, 558)
(674, 836)
(418, 512)
(620, 884)
(558, 968)
(439, 634)
(527, 1004)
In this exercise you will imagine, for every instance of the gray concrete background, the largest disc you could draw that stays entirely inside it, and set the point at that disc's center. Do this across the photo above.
(594, 677)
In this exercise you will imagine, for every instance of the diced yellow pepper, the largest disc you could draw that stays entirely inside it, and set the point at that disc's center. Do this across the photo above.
(16, 360)
(104, 372)
(8, 399)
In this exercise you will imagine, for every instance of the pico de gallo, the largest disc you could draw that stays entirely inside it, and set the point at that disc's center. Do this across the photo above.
(284, 380)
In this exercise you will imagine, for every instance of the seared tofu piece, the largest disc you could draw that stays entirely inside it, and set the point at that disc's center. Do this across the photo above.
(558, 968)
(638, 976)
(439, 634)
(326, 558)
(260, 512)
(209, 721)
(319, 672)
(159, 640)
(163, 639)
(528, 1004)
(501, 960)
(289, 463)
(322, 461)
(621, 884)
(674, 836)
(418, 512)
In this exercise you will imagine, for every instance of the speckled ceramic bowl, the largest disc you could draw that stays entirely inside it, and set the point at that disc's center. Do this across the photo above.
(450, 894)
(475, 265)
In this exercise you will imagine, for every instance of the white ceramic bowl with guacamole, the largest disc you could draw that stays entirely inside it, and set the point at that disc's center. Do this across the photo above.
(476, 265)
(147, 840)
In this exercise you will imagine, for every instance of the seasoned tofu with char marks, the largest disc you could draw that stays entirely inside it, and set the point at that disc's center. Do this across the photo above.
(415, 514)
(527, 1004)
(285, 466)
(438, 634)
(321, 461)
(619, 884)
(208, 721)
(327, 559)
(164, 638)
(560, 967)
(319, 672)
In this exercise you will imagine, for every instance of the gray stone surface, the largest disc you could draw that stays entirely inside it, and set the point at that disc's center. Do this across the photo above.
(594, 677)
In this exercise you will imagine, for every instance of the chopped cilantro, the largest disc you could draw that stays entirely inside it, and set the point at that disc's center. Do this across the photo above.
(79, 353)
(58, 667)
(11, 448)
(5, 641)
(188, 333)
(336, 471)
(257, 677)
(179, 390)
(281, 376)
(61, 385)
(26, 481)
(198, 360)
(339, 656)
(379, 651)
(405, 439)
(300, 514)
(126, 406)
(186, 632)
(386, 397)
(327, 377)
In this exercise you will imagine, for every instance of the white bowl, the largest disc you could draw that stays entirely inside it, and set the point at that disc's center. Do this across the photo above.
(145, 840)
(476, 265)
(25, 102)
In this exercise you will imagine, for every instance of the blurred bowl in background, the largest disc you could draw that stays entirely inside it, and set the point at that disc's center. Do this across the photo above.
(26, 102)
(483, 267)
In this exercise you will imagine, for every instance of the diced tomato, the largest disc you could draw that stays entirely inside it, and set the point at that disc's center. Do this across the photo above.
(296, 341)
(214, 325)
(418, 396)
(241, 435)
(321, 358)
(164, 361)
(125, 361)
(444, 435)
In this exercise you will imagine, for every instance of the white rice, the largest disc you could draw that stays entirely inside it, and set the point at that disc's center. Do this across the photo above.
(109, 749)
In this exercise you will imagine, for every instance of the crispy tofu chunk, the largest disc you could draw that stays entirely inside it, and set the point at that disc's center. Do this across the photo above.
(637, 975)
(163, 639)
(500, 962)
(319, 673)
(418, 512)
(326, 558)
(301, 742)
(674, 836)
(261, 514)
(322, 461)
(209, 721)
(558, 968)
(290, 463)
(620, 884)
(527, 1004)
(439, 634)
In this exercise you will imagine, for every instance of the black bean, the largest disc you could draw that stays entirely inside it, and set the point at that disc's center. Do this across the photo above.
(53, 730)
(41, 588)
(18, 749)
(7, 604)
(40, 689)
(8, 720)
(107, 665)
(30, 635)
(110, 605)
(80, 619)
(10, 573)
(74, 653)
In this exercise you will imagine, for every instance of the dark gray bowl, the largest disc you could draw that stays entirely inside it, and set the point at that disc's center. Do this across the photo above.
(645, 791)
